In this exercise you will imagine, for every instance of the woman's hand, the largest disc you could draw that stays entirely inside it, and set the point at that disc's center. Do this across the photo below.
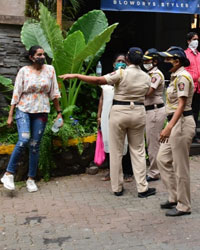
(99, 122)
(60, 116)
(10, 121)
(68, 76)
(10, 116)
(165, 134)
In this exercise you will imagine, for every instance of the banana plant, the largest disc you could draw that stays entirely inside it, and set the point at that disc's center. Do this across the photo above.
(6, 82)
(6, 86)
(75, 53)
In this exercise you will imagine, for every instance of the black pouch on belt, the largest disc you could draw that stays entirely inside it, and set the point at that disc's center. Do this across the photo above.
(185, 113)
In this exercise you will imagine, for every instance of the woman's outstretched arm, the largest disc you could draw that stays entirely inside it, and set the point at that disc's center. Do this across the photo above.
(98, 80)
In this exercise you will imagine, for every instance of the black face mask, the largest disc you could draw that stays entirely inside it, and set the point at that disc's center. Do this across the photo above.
(39, 60)
(168, 66)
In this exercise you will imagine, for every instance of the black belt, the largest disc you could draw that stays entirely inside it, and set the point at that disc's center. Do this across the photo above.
(115, 102)
(185, 113)
(154, 106)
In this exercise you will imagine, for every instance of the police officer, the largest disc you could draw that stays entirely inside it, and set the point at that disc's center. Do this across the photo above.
(104, 107)
(155, 110)
(176, 137)
(127, 117)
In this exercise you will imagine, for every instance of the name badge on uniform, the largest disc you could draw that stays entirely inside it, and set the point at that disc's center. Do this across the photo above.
(153, 79)
(181, 86)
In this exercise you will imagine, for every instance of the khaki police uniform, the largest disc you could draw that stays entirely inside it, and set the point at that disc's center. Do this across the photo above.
(173, 157)
(155, 117)
(128, 118)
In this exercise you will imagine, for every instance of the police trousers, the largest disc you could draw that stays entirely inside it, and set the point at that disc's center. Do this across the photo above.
(127, 120)
(173, 162)
(154, 123)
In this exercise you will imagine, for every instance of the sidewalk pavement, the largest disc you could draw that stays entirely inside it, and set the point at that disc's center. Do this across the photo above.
(80, 212)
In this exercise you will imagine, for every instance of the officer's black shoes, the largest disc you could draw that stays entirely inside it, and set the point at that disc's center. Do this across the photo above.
(167, 205)
(150, 191)
(149, 179)
(175, 212)
(119, 193)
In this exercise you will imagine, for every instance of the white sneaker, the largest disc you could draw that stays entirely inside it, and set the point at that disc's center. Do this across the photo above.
(8, 181)
(31, 186)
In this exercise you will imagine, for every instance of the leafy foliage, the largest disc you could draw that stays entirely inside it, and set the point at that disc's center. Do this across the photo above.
(51, 29)
(71, 129)
(88, 98)
(96, 44)
(32, 34)
(70, 8)
(46, 162)
(7, 135)
(84, 44)
(6, 83)
(90, 24)
(85, 40)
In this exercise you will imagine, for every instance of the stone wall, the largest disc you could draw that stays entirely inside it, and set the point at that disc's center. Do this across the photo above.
(12, 51)
(12, 54)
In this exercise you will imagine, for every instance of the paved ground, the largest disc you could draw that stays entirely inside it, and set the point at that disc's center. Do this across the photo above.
(80, 212)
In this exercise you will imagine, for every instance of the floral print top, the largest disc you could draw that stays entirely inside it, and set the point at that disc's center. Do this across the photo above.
(32, 91)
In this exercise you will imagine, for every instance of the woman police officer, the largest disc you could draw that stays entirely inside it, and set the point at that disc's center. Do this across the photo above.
(176, 137)
(104, 107)
(155, 110)
(127, 117)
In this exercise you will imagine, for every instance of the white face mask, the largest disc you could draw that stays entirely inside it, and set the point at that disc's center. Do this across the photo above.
(148, 66)
(194, 44)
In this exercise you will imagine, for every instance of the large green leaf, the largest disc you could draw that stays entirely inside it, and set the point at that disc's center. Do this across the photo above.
(54, 37)
(32, 34)
(85, 40)
(93, 46)
(90, 24)
(7, 83)
(51, 29)
(73, 45)
(95, 58)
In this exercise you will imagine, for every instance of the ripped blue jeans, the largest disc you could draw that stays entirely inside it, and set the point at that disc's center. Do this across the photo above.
(30, 130)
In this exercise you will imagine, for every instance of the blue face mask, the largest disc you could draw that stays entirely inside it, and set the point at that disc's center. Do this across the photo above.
(120, 65)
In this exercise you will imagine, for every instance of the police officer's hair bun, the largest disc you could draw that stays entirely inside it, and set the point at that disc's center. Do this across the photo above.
(185, 62)
(135, 58)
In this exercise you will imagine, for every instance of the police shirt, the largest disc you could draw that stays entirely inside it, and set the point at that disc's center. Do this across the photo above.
(157, 83)
(181, 84)
(131, 84)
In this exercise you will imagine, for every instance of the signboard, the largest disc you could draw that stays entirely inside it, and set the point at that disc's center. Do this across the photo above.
(170, 6)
